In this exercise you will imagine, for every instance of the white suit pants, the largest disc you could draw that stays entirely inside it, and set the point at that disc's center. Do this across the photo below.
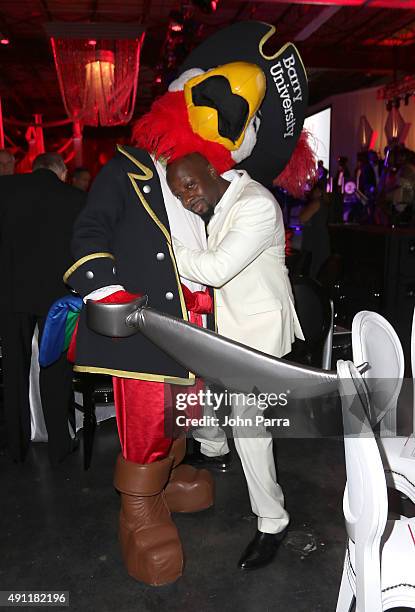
(254, 447)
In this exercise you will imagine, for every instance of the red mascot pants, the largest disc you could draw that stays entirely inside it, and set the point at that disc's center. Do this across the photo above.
(145, 409)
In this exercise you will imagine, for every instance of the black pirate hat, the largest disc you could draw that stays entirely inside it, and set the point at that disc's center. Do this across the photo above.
(284, 107)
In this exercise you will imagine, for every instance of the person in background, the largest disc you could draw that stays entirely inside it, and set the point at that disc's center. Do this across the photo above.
(322, 174)
(316, 239)
(406, 183)
(398, 196)
(37, 212)
(365, 176)
(7, 162)
(364, 197)
(81, 178)
(386, 184)
(376, 164)
(342, 175)
(340, 179)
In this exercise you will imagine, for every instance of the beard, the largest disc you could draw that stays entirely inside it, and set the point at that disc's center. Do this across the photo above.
(206, 217)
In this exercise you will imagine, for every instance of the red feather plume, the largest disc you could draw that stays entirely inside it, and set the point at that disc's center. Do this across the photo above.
(300, 168)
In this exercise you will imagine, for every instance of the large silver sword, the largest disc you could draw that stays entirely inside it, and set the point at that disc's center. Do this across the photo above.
(211, 356)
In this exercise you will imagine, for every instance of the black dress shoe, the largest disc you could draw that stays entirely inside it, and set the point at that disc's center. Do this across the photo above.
(261, 551)
(220, 463)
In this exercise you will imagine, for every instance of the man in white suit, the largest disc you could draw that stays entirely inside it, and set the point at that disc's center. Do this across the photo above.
(245, 263)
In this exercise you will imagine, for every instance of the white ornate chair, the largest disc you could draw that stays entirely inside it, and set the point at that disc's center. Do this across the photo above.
(37, 420)
(413, 364)
(328, 343)
(375, 341)
(379, 565)
(338, 337)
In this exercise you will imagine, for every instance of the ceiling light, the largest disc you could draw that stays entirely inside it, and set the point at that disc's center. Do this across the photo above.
(207, 6)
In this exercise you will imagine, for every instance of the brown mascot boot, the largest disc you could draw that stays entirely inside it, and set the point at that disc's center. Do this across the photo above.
(150, 544)
(189, 489)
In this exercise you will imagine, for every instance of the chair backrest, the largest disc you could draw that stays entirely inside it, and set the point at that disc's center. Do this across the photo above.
(413, 368)
(328, 343)
(365, 501)
(413, 347)
(375, 341)
(314, 312)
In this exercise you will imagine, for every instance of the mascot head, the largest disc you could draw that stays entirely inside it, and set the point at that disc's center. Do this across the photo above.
(213, 112)
(235, 105)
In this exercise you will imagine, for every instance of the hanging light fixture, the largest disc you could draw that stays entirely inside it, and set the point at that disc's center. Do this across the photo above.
(396, 129)
(97, 66)
(365, 133)
(99, 82)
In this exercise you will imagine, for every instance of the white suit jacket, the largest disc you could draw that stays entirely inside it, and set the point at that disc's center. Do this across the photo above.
(245, 263)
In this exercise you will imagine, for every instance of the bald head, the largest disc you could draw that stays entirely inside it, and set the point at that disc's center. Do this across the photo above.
(6, 162)
(195, 182)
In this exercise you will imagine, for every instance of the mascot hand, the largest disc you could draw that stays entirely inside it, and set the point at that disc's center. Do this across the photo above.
(118, 297)
(197, 301)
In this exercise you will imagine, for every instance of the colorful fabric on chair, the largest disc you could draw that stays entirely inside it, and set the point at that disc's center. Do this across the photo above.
(59, 327)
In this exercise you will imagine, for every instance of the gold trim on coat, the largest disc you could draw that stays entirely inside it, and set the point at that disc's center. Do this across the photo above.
(179, 284)
(166, 234)
(267, 36)
(147, 206)
(147, 172)
(171, 380)
(83, 260)
(146, 175)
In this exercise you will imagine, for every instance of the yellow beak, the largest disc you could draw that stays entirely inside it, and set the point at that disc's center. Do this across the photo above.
(221, 102)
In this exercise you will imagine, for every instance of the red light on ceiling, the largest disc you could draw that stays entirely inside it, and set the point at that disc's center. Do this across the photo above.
(402, 39)
(176, 27)
(4, 41)
(92, 42)
(213, 5)
(393, 4)
(158, 79)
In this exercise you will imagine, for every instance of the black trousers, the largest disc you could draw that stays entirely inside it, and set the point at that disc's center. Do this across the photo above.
(55, 388)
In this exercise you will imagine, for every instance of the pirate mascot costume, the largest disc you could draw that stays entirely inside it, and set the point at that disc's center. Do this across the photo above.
(123, 248)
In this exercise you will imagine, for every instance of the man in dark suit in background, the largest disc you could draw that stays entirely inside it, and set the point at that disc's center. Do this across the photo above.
(37, 212)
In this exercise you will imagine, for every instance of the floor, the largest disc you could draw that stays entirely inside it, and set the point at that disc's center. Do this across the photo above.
(59, 533)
